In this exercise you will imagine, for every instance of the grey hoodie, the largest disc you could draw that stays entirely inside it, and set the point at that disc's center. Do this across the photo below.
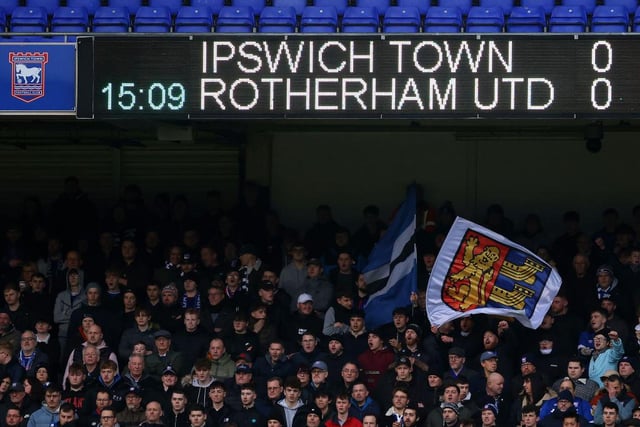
(290, 413)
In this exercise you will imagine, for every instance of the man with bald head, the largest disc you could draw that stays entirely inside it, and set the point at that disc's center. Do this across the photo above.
(494, 394)
(153, 415)
(95, 337)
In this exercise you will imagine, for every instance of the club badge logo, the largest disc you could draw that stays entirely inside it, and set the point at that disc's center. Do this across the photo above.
(28, 75)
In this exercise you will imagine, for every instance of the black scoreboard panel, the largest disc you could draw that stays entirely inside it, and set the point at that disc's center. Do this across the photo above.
(360, 76)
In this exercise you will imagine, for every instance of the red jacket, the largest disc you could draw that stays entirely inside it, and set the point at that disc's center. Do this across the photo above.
(351, 422)
(374, 365)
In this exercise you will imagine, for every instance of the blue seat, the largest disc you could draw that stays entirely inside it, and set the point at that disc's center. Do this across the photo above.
(505, 5)
(443, 20)
(421, 5)
(29, 20)
(630, 5)
(526, 20)
(9, 5)
(152, 20)
(610, 19)
(463, 5)
(319, 19)
(546, 5)
(635, 27)
(568, 19)
(380, 5)
(192, 19)
(275, 19)
(339, 5)
(588, 5)
(70, 20)
(255, 5)
(401, 20)
(214, 5)
(360, 20)
(3, 20)
(485, 20)
(131, 5)
(173, 5)
(49, 5)
(109, 19)
(235, 19)
(297, 5)
(90, 5)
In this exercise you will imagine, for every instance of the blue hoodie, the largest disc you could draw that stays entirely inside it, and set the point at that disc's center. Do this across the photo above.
(44, 417)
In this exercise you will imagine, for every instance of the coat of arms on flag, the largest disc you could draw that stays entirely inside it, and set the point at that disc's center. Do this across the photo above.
(479, 271)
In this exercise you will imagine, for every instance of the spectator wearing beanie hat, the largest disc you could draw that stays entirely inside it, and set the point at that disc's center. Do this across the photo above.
(556, 404)
(450, 415)
(488, 414)
(336, 357)
(608, 286)
(430, 395)
(275, 419)
(170, 314)
(627, 366)
(412, 347)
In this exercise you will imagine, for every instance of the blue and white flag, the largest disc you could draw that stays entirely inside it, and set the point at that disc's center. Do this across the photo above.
(480, 271)
(391, 274)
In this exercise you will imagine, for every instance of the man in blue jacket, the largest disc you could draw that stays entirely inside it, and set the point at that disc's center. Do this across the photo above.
(49, 414)
(608, 350)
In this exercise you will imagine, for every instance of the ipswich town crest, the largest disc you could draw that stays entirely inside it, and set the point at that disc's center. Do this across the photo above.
(487, 273)
(28, 75)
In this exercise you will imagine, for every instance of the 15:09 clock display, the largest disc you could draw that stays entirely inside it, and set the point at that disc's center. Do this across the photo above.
(156, 96)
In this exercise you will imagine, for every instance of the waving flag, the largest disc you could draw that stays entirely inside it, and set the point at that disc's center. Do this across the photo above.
(479, 271)
(391, 274)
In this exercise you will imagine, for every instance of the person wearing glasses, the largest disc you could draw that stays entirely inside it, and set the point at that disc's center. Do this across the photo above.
(608, 350)
(108, 417)
(133, 414)
(92, 416)
(28, 355)
(581, 406)
(14, 417)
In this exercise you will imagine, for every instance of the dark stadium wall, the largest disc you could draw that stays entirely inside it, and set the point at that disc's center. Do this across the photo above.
(546, 174)
(191, 169)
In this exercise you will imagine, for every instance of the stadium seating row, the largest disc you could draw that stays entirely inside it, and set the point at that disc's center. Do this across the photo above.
(313, 19)
(340, 5)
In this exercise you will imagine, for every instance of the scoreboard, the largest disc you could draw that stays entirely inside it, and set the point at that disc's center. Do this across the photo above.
(416, 76)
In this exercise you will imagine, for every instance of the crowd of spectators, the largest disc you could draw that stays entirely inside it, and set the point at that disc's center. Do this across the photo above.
(152, 316)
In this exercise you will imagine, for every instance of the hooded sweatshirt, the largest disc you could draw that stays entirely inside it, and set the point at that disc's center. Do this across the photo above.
(198, 392)
(44, 417)
(290, 413)
(65, 304)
